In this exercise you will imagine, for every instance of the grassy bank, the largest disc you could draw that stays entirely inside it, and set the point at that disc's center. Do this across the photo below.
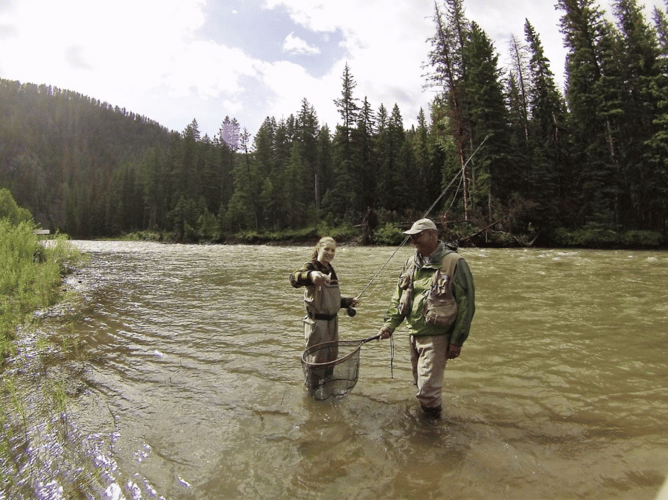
(30, 273)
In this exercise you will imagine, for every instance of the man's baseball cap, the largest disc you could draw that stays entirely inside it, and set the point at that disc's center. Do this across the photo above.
(421, 225)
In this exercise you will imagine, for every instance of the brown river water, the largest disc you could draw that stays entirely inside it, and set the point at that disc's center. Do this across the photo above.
(186, 382)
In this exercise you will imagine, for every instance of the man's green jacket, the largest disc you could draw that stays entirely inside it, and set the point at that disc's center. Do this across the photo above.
(463, 290)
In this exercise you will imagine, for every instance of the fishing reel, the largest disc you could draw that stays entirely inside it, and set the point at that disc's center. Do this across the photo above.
(351, 312)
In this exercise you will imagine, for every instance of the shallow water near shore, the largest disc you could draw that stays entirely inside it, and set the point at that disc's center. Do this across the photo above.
(190, 383)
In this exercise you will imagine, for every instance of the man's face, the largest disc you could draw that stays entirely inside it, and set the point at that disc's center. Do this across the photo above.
(425, 242)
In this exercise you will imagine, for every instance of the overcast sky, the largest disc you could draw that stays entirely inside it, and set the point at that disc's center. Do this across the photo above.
(178, 60)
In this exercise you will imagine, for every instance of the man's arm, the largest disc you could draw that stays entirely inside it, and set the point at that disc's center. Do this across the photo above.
(463, 290)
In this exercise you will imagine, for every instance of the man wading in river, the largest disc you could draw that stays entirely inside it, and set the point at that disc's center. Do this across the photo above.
(436, 297)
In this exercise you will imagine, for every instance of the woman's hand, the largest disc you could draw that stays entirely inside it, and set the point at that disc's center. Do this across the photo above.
(319, 278)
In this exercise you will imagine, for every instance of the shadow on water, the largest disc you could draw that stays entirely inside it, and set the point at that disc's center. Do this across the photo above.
(352, 447)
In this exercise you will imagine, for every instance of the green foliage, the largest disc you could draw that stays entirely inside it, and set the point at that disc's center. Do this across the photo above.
(343, 232)
(507, 137)
(591, 237)
(643, 239)
(59, 151)
(389, 235)
(29, 275)
(10, 210)
(142, 236)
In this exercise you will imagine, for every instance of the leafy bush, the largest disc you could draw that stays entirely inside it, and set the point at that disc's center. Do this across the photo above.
(344, 232)
(11, 211)
(29, 275)
(606, 238)
(249, 237)
(649, 239)
(389, 235)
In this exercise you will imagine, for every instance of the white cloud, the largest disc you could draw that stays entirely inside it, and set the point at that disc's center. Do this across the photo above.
(385, 48)
(295, 45)
(147, 55)
(138, 54)
(290, 84)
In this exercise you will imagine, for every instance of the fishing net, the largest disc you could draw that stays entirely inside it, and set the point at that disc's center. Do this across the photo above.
(332, 368)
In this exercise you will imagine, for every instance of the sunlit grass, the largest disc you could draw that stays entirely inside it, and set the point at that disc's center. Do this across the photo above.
(30, 274)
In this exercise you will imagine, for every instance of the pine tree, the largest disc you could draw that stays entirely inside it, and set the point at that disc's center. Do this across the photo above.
(263, 156)
(324, 166)
(343, 199)
(402, 169)
(549, 182)
(386, 160)
(589, 43)
(449, 72)
(347, 104)
(494, 171)
(641, 77)
(661, 23)
(364, 159)
(428, 167)
(306, 136)
(521, 85)
(154, 182)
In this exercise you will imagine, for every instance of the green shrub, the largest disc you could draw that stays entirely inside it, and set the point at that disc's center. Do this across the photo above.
(29, 275)
(343, 232)
(649, 239)
(11, 211)
(606, 238)
(389, 235)
(249, 237)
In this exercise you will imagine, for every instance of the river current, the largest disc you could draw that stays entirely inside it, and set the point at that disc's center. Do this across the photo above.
(188, 382)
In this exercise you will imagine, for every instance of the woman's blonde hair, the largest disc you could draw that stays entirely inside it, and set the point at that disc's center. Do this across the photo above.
(321, 243)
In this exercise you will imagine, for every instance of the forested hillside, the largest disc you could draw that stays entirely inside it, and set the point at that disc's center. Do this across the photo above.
(60, 151)
(584, 167)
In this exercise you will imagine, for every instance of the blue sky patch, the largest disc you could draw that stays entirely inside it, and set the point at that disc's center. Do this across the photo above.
(262, 34)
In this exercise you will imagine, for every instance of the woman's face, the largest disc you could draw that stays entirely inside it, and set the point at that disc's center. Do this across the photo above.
(326, 252)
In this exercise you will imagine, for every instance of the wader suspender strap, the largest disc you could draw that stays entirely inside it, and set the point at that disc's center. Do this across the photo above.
(449, 264)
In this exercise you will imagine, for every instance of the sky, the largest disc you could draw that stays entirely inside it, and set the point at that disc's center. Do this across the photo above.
(174, 61)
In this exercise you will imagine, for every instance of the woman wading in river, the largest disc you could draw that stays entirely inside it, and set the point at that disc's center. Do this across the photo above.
(322, 299)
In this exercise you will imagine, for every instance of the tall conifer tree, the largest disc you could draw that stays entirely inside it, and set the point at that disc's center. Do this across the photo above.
(641, 77)
(589, 42)
(495, 170)
(550, 180)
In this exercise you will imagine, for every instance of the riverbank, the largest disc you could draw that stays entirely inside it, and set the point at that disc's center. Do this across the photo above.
(30, 274)
(40, 361)
(462, 236)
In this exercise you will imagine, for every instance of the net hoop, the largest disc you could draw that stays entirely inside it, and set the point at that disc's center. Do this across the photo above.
(326, 345)
(336, 376)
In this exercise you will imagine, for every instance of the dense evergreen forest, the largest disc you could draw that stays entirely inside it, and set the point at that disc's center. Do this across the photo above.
(523, 162)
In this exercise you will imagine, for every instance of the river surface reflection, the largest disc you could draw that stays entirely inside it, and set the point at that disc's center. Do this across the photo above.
(194, 387)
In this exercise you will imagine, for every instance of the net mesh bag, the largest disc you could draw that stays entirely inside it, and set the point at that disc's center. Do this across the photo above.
(331, 368)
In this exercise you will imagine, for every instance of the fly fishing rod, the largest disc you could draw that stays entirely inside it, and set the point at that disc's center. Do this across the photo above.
(350, 313)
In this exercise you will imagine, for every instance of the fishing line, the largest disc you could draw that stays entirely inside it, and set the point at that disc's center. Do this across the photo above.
(423, 216)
